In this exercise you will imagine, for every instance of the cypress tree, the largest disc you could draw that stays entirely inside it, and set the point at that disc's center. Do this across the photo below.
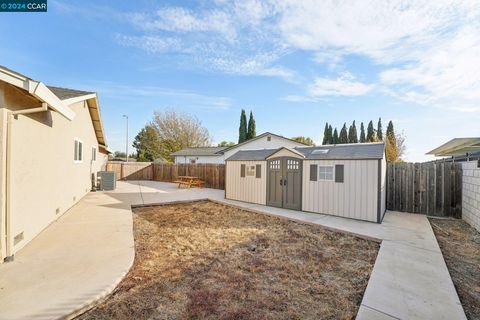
(343, 134)
(379, 129)
(370, 132)
(242, 131)
(350, 134)
(325, 134)
(390, 130)
(354, 132)
(330, 134)
(362, 133)
(252, 129)
(335, 136)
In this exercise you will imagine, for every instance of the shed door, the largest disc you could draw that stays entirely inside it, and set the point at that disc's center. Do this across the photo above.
(274, 181)
(284, 183)
(292, 183)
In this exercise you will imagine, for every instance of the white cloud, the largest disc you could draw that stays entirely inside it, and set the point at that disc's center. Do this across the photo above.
(429, 50)
(344, 85)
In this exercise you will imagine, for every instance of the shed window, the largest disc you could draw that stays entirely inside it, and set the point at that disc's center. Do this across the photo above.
(339, 172)
(78, 151)
(251, 170)
(313, 172)
(242, 171)
(325, 173)
(258, 171)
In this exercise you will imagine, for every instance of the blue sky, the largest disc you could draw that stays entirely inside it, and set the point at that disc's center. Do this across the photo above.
(296, 64)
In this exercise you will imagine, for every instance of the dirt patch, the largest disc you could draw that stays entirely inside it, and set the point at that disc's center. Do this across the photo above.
(205, 260)
(460, 245)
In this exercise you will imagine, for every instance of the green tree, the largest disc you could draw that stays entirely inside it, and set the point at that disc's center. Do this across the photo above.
(336, 140)
(325, 134)
(242, 131)
(343, 134)
(379, 129)
(177, 130)
(330, 134)
(226, 144)
(252, 130)
(362, 133)
(305, 140)
(354, 133)
(370, 132)
(147, 144)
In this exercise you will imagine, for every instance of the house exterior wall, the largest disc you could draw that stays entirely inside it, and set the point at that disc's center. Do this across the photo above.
(200, 159)
(356, 197)
(45, 181)
(471, 194)
(248, 188)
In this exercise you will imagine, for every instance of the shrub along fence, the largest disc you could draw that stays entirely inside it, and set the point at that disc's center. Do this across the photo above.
(430, 188)
(212, 174)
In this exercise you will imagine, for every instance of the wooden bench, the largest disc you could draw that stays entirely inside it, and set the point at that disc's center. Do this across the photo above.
(190, 182)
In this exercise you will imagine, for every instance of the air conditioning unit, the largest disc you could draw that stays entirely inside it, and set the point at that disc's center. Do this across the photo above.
(108, 180)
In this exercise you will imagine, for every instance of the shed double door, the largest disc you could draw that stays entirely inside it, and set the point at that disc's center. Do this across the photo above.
(284, 183)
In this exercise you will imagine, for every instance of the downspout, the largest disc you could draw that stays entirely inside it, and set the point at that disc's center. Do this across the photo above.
(8, 218)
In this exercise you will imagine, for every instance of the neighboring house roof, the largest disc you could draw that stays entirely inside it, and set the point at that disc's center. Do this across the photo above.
(64, 93)
(259, 137)
(354, 151)
(58, 99)
(200, 151)
(457, 146)
(216, 151)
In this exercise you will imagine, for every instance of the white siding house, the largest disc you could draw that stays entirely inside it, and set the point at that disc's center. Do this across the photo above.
(266, 140)
(343, 180)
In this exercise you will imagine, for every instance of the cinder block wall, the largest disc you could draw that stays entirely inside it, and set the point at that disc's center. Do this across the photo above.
(471, 194)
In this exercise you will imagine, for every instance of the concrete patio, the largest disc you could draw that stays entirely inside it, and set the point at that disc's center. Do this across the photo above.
(83, 255)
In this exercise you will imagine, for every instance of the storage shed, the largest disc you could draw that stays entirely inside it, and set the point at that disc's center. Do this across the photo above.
(346, 180)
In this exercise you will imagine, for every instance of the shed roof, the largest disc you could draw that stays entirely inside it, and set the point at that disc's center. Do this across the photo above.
(200, 151)
(354, 151)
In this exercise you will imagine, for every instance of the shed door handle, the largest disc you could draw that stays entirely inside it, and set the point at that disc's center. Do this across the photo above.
(281, 181)
(284, 182)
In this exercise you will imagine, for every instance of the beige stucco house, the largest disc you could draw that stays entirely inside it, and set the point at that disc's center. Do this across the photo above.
(51, 143)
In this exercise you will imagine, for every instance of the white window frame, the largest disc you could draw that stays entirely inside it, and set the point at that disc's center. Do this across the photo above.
(78, 153)
(322, 170)
(250, 170)
(94, 154)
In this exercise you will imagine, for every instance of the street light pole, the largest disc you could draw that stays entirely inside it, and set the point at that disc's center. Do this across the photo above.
(126, 141)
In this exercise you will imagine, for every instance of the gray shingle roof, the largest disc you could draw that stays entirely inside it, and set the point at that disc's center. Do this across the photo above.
(200, 151)
(64, 93)
(353, 151)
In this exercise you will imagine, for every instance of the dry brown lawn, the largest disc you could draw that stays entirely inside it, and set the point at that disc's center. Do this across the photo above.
(205, 260)
(460, 244)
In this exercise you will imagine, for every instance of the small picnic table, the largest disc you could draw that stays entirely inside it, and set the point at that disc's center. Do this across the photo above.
(189, 181)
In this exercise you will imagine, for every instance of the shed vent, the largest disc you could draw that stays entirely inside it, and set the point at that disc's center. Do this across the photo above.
(320, 151)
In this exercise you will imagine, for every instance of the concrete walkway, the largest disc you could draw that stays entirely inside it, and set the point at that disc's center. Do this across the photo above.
(82, 256)
(78, 259)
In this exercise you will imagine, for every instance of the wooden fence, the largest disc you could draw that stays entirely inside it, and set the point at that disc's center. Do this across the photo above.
(430, 188)
(212, 174)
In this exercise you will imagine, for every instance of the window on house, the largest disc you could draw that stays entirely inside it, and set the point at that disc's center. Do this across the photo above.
(94, 154)
(78, 155)
(325, 172)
